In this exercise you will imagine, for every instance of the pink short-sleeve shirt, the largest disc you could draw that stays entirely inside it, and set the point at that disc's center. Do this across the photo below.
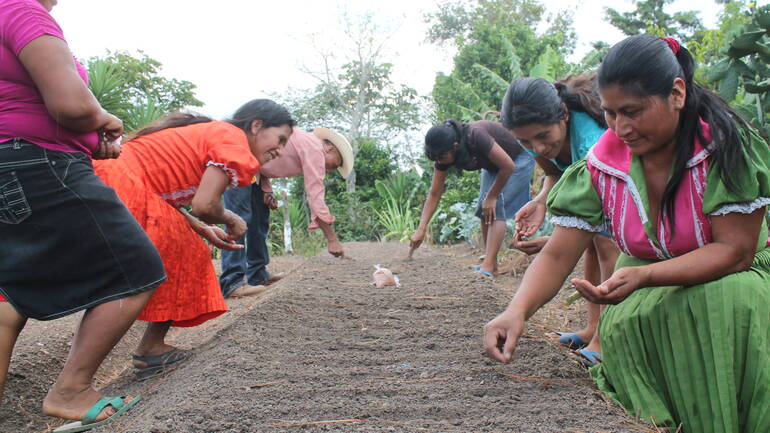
(22, 111)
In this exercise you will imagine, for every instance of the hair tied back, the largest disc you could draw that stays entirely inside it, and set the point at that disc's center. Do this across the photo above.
(673, 44)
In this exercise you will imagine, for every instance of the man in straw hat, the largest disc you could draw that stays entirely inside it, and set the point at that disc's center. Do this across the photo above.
(312, 155)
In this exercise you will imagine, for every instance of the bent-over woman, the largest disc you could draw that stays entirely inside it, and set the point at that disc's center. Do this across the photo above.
(187, 160)
(506, 173)
(558, 123)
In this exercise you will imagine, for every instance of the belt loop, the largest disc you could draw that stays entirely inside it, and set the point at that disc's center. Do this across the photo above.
(16, 144)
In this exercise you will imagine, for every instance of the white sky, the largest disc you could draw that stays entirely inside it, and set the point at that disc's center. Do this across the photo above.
(237, 50)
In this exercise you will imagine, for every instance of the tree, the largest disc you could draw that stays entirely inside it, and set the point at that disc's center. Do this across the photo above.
(359, 96)
(742, 77)
(133, 89)
(486, 65)
(456, 19)
(649, 17)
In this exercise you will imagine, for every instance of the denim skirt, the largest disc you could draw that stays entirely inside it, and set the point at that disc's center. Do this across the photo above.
(515, 193)
(68, 242)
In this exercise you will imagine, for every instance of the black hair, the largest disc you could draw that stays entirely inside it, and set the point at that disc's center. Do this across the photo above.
(173, 120)
(269, 112)
(440, 139)
(645, 66)
(535, 100)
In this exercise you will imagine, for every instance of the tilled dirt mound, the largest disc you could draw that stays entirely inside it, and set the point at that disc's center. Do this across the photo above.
(327, 351)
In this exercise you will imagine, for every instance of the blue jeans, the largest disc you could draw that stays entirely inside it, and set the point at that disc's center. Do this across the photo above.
(247, 202)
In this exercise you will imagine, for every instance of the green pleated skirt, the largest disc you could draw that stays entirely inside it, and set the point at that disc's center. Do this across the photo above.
(696, 356)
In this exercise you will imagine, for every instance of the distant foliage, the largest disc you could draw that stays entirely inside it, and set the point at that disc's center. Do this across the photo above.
(133, 89)
(650, 17)
(741, 75)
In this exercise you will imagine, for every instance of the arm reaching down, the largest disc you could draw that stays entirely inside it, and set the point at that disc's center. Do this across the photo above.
(207, 203)
(542, 280)
(429, 208)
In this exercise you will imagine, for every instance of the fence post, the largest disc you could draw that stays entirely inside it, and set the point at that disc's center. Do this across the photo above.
(287, 247)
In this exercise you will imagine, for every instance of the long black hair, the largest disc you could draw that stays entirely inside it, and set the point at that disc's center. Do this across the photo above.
(269, 112)
(440, 139)
(173, 120)
(645, 66)
(535, 100)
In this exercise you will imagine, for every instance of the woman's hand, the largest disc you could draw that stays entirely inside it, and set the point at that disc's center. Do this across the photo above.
(236, 226)
(107, 150)
(532, 246)
(217, 237)
(488, 208)
(269, 199)
(110, 137)
(111, 128)
(501, 335)
(617, 288)
(417, 238)
(335, 248)
(529, 218)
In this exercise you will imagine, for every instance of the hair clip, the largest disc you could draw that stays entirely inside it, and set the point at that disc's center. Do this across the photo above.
(673, 44)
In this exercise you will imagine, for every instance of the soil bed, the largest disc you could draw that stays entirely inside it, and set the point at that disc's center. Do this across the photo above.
(325, 350)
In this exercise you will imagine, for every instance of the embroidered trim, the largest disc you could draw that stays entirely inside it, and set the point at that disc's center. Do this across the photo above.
(622, 230)
(662, 240)
(177, 195)
(699, 235)
(229, 171)
(700, 156)
(630, 185)
(578, 223)
(744, 208)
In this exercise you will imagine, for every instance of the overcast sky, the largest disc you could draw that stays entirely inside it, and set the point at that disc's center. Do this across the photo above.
(236, 50)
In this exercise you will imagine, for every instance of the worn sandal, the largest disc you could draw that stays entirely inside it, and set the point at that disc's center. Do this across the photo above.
(571, 340)
(589, 358)
(159, 363)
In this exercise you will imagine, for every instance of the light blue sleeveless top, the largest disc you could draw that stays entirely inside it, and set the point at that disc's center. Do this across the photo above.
(583, 133)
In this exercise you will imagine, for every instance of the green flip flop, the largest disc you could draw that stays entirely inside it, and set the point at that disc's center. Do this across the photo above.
(89, 419)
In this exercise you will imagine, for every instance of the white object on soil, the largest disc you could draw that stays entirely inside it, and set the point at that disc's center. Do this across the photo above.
(384, 277)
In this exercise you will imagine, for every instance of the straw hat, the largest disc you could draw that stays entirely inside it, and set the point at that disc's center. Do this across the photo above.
(342, 145)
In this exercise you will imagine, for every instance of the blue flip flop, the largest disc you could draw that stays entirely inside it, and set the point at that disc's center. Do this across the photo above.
(477, 268)
(589, 357)
(571, 340)
(89, 419)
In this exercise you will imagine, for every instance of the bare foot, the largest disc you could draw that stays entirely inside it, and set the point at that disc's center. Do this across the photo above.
(73, 405)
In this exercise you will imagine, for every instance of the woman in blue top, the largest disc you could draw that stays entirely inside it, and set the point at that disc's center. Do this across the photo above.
(557, 124)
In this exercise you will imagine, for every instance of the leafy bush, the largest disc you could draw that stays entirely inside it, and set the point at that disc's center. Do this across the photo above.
(458, 222)
(395, 207)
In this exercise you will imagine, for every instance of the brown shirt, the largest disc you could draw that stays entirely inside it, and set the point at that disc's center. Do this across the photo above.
(479, 137)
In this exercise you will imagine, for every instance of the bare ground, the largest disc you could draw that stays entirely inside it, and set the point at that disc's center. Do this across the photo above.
(324, 350)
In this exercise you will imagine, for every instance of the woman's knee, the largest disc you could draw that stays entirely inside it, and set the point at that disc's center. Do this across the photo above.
(10, 318)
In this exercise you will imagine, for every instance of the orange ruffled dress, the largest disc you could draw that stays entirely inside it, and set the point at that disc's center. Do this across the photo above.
(155, 175)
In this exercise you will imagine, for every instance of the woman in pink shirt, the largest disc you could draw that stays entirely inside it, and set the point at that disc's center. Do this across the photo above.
(69, 244)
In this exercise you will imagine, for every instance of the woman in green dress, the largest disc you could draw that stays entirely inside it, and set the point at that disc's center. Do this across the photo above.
(682, 183)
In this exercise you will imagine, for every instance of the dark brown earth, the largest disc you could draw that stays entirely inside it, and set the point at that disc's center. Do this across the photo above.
(324, 350)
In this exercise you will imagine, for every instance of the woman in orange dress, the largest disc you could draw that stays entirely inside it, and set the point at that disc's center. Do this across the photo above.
(188, 160)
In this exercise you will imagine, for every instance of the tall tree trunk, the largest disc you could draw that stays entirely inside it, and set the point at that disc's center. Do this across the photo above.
(358, 117)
